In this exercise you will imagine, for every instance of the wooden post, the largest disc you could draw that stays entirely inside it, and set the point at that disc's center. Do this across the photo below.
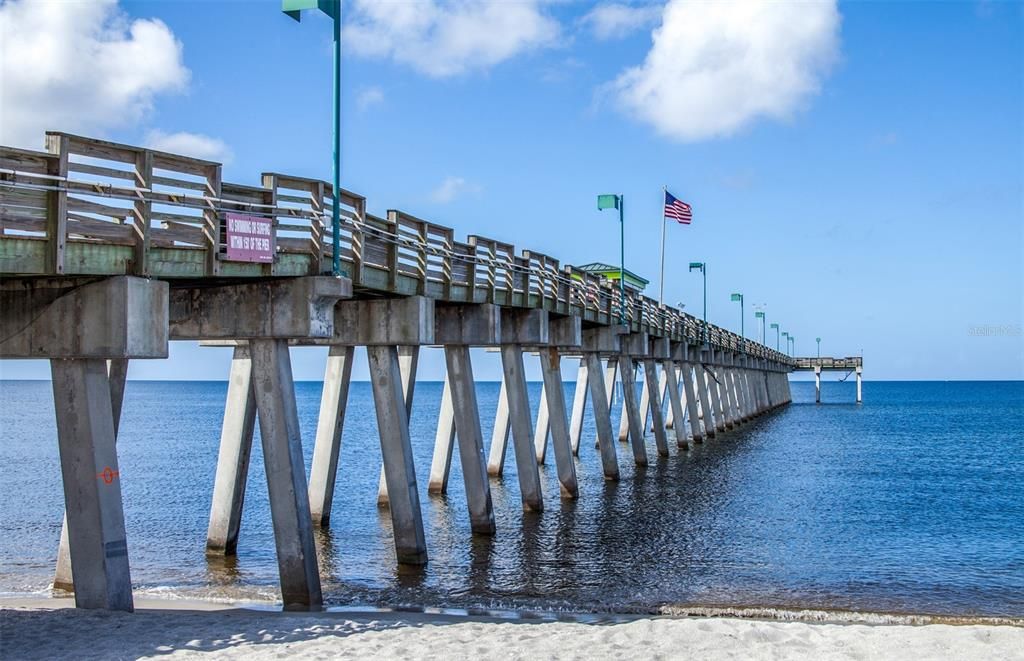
(57, 205)
(142, 211)
(211, 218)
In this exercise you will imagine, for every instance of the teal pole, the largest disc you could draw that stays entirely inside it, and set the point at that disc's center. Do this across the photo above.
(622, 258)
(704, 331)
(336, 197)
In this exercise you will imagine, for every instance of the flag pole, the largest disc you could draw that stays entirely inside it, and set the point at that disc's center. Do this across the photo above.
(661, 293)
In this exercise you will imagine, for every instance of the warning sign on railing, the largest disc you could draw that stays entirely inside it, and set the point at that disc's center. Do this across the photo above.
(249, 238)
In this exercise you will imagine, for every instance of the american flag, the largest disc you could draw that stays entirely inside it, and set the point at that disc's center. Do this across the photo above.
(677, 209)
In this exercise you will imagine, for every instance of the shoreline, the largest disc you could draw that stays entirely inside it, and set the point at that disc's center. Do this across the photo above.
(764, 613)
(38, 628)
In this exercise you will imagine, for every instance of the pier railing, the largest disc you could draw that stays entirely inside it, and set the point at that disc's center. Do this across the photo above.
(92, 207)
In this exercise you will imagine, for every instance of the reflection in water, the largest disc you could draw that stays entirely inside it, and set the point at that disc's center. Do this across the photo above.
(832, 506)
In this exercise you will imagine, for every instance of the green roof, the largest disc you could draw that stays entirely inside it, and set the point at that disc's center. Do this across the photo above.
(612, 273)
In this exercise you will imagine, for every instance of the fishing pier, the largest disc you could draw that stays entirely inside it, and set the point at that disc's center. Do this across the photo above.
(110, 251)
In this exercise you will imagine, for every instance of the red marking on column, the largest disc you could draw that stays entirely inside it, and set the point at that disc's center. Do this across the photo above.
(108, 475)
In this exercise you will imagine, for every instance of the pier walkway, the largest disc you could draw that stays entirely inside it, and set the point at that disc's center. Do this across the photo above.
(109, 251)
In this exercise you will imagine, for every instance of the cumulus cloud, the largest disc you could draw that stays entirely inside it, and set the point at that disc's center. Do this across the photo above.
(451, 188)
(443, 38)
(368, 97)
(195, 145)
(714, 67)
(81, 67)
(615, 21)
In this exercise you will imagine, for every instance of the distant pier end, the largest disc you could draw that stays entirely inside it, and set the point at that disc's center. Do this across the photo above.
(850, 364)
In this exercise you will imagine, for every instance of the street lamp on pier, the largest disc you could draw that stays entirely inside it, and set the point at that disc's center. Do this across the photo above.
(743, 334)
(818, 340)
(703, 268)
(776, 327)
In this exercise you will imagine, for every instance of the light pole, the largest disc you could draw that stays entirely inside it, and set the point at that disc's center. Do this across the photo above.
(786, 335)
(743, 334)
(818, 340)
(618, 202)
(760, 315)
(776, 327)
(792, 351)
(703, 267)
(332, 8)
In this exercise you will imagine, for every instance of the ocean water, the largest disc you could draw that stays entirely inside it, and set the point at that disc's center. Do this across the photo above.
(912, 502)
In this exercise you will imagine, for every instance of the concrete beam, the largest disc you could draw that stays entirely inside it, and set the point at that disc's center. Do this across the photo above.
(635, 345)
(476, 325)
(565, 332)
(120, 317)
(659, 348)
(524, 327)
(271, 309)
(384, 322)
(603, 339)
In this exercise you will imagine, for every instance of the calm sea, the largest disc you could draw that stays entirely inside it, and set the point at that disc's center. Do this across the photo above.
(911, 502)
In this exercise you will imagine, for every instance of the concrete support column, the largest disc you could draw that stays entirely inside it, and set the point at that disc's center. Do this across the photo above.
(747, 393)
(579, 407)
(543, 426)
(632, 410)
(444, 441)
(117, 374)
(859, 397)
(654, 388)
(408, 361)
(624, 417)
(92, 484)
(675, 404)
(670, 418)
(233, 457)
(550, 366)
(702, 394)
(396, 449)
(817, 385)
(286, 473)
(599, 395)
(499, 435)
(521, 424)
(691, 403)
(333, 402)
(611, 371)
(471, 442)
(732, 412)
(716, 400)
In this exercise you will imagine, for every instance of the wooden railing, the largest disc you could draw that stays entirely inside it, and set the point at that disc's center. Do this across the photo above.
(92, 207)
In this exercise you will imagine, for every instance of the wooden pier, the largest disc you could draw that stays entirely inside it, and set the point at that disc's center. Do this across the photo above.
(109, 251)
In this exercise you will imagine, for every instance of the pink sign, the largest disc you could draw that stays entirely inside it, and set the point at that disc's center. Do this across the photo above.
(249, 238)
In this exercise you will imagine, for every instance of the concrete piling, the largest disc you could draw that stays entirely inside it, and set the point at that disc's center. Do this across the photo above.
(579, 405)
(521, 427)
(444, 440)
(653, 382)
(550, 362)
(675, 404)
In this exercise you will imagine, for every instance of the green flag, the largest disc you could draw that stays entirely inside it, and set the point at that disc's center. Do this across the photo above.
(607, 202)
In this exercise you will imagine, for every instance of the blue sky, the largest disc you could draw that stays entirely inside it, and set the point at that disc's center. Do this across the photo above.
(881, 209)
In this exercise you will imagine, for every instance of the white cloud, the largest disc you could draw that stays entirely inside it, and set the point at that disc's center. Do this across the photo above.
(451, 188)
(715, 67)
(442, 38)
(368, 97)
(615, 21)
(195, 145)
(81, 67)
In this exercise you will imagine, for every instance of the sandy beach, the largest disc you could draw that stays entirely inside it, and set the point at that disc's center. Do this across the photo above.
(51, 629)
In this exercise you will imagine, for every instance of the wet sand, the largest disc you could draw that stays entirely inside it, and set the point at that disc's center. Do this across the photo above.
(52, 629)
